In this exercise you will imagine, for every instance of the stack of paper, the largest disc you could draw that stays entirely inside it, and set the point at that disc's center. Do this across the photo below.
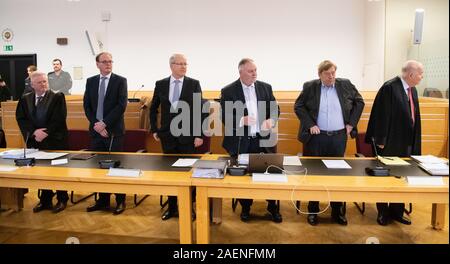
(243, 158)
(16, 153)
(207, 173)
(428, 159)
(393, 161)
(438, 169)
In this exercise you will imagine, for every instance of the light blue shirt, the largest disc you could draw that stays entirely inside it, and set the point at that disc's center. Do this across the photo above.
(172, 88)
(330, 116)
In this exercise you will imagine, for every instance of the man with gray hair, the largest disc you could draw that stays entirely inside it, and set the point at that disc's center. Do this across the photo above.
(249, 112)
(41, 116)
(170, 95)
(394, 126)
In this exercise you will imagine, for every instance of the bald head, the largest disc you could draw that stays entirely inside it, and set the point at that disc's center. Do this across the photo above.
(412, 72)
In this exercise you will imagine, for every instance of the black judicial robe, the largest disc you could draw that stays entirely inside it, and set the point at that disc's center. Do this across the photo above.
(390, 122)
(53, 118)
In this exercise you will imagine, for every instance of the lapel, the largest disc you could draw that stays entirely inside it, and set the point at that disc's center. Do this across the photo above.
(239, 92)
(96, 86)
(338, 87)
(30, 101)
(258, 92)
(184, 88)
(318, 91)
(404, 98)
(110, 86)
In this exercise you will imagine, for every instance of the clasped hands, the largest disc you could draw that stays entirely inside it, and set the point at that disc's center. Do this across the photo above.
(266, 124)
(100, 127)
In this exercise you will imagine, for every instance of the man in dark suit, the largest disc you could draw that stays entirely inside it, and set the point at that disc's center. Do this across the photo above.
(105, 100)
(175, 96)
(394, 126)
(249, 112)
(41, 116)
(329, 109)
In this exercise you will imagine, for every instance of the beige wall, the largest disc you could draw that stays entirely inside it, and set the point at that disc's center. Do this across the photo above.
(400, 16)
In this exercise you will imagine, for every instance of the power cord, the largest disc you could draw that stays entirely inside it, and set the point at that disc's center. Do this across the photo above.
(302, 180)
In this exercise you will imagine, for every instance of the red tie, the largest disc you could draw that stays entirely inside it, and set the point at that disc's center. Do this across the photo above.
(411, 104)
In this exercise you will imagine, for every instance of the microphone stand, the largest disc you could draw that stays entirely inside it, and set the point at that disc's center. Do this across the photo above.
(25, 161)
(378, 170)
(235, 169)
(109, 163)
(134, 99)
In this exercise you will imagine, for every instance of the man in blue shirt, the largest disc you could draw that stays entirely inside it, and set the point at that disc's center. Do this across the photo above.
(329, 109)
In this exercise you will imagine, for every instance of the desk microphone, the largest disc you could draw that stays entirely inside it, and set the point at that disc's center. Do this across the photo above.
(109, 163)
(25, 161)
(235, 169)
(378, 170)
(134, 99)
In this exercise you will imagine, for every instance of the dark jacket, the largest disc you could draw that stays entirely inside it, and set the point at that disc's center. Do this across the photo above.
(233, 93)
(55, 120)
(307, 106)
(161, 103)
(390, 122)
(114, 104)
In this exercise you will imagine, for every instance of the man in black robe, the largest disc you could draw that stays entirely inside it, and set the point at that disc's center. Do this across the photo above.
(394, 127)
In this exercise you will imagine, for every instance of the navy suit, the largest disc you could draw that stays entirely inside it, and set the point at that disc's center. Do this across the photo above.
(114, 105)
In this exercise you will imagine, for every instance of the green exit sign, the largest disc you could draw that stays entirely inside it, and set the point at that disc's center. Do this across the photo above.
(8, 48)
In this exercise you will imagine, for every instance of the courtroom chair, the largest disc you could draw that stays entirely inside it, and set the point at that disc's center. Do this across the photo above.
(79, 139)
(432, 92)
(135, 141)
(364, 149)
(205, 148)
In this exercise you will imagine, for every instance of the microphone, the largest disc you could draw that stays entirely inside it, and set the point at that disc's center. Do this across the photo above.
(235, 169)
(109, 163)
(25, 161)
(134, 99)
(378, 170)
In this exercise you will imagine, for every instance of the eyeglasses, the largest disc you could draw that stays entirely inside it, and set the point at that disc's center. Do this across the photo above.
(106, 62)
(180, 64)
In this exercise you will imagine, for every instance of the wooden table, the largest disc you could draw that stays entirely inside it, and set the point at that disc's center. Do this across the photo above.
(313, 187)
(95, 180)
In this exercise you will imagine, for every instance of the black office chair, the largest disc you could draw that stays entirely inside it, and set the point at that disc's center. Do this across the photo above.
(78, 139)
(205, 148)
(364, 149)
(135, 141)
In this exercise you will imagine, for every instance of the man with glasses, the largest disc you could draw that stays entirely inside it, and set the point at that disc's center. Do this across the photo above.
(105, 100)
(169, 93)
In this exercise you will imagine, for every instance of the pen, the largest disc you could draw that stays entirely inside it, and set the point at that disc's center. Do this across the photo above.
(387, 158)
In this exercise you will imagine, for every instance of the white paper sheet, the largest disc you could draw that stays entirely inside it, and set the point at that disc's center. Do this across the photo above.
(41, 155)
(184, 163)
(291, 161)
(336, 164)
(425, 180)
(8, 168)
(117, 172)
(428, 159)
(59, 161)
(269, 177)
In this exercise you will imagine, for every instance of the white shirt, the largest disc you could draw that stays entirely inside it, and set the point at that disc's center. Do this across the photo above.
(405, 86)
(106, 81)
(251, 102)
(172, 87)
(36, 98)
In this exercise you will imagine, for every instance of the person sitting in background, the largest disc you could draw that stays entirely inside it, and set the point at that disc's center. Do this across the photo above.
(30, 70)
(5, 94)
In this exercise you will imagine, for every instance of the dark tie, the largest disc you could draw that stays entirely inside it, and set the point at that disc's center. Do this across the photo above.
(101, 99)
(176, 93)
(39, 99)
(411, 104)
